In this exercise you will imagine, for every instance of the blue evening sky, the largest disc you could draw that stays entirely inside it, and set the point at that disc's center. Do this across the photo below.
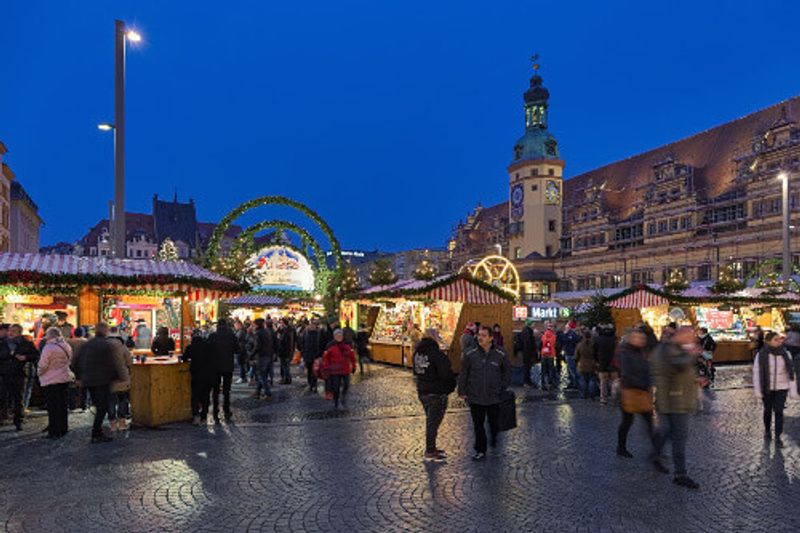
(392, 119)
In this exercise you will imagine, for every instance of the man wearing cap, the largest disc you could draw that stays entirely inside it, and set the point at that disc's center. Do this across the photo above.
(65, 327)
(485, 374)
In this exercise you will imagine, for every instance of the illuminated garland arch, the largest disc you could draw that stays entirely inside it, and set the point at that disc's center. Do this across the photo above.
(324, 277)
(214, 246)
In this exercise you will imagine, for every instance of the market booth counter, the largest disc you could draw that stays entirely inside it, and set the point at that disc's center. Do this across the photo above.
(730, 318)
(160, 391)
(401, 312)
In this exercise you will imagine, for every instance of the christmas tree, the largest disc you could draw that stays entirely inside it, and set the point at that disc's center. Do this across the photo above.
(167, 251)
(727, 282)
(598, 313)
(676, 282)
(350, 282)
(382, 273)
(425, 271)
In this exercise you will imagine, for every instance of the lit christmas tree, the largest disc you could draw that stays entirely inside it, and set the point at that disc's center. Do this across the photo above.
(167, 251)
(382, 273)
(727, 282)
(425, 271)
(350, 282)
(676, 282)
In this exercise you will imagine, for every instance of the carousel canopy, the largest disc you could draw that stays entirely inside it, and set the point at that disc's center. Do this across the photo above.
(33, 269)
(451, 288)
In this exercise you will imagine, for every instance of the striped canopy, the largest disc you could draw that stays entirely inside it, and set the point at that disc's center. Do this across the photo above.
(255, 300)
(449, 288)
(637, 300)
(109, 273)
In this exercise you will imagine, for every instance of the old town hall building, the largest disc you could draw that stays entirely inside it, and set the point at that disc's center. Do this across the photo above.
(695, 205)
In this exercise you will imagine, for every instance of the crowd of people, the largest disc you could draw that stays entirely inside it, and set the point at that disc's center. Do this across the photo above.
(328, 353)
(661, 380)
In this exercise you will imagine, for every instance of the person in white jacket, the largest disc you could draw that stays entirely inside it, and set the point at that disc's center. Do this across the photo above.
(773, 381)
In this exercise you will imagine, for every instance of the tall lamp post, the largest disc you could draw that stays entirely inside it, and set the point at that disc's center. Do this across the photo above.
(787, 252)
(121, 36)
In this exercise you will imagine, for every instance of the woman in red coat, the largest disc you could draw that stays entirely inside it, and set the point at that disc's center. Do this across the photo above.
(338, 362)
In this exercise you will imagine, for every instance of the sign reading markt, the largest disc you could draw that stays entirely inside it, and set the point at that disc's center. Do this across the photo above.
(281, 268)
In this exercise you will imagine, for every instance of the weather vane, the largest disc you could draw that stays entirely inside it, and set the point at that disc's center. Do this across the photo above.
(535, 61)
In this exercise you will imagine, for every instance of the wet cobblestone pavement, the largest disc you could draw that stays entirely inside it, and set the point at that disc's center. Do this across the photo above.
(294, 465)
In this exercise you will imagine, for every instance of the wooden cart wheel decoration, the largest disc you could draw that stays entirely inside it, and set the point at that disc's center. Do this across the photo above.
(498, 271)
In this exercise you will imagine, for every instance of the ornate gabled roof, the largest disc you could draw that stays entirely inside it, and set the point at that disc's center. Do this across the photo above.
(710, 153)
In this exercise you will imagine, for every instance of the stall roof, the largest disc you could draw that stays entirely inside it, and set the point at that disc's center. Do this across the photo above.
(649, 295)
(70, 269)
(453, 288)
(255, 300)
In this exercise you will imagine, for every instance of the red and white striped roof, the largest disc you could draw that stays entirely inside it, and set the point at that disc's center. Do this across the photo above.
(458, 290)
(637, 300)
(177, 275)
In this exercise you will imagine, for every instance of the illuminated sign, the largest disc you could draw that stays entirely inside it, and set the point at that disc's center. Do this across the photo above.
(30, 299)
(281, 268)
(520, 312)
(549, 312)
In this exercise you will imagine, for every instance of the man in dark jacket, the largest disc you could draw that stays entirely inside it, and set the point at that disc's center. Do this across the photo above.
(265, 356)
(605, 343)
(223, 345)
(286, 344)
(204, 374)
(634, 374)
(15, 353)
(435, 381)
(485, 374)
(530, 353)
(311, 348)
(568, 340)
(96, 367)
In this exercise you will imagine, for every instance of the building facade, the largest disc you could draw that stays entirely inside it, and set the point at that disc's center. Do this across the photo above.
(696, 205)
(6, 177)
(146, 231)
(25, 221)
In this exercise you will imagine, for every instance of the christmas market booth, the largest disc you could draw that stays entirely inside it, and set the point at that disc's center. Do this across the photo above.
(136, 296)
(397, 315)
(258, 305)
(730, 318)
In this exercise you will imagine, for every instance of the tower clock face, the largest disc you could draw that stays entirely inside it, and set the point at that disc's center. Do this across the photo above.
(517, 204)
(552, 192)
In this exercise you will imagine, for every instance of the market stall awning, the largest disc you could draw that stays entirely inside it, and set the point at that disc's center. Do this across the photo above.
(638, 299)
(255, 300)
(451, 288)
(111, 273)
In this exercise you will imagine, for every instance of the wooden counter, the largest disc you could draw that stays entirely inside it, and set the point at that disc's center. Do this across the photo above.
(161, 392)
(390, 353)
(733, 352)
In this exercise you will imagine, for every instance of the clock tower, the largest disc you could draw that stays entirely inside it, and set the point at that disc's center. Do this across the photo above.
(535, 181)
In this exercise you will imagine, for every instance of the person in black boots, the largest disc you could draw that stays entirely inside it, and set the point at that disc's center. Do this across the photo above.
(204, 375)
(15, 353)
(287, 340)
(96, 368)
(223, 345)
(485, 374)
(635, 371)
(773, 380)
(435, 382)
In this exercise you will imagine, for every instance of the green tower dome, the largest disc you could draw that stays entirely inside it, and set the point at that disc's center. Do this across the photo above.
(537, 142)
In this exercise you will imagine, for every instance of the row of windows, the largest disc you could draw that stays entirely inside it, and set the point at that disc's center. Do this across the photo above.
(669, 225)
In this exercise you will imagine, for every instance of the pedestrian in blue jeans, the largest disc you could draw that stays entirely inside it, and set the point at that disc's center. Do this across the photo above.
(586, 364)
(265, 356)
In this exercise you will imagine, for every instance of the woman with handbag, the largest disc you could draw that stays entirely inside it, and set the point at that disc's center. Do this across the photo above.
(55, 377)
(637, 397)
(773, 380)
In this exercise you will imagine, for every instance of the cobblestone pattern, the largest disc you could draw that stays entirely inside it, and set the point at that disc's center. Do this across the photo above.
(288, 466)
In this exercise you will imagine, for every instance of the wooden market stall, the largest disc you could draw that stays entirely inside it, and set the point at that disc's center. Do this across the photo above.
(404, 310)
(136, 296)
(260, 305)
(730, 318)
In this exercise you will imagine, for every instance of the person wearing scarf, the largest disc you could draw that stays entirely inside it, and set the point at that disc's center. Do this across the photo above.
(773, 380)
